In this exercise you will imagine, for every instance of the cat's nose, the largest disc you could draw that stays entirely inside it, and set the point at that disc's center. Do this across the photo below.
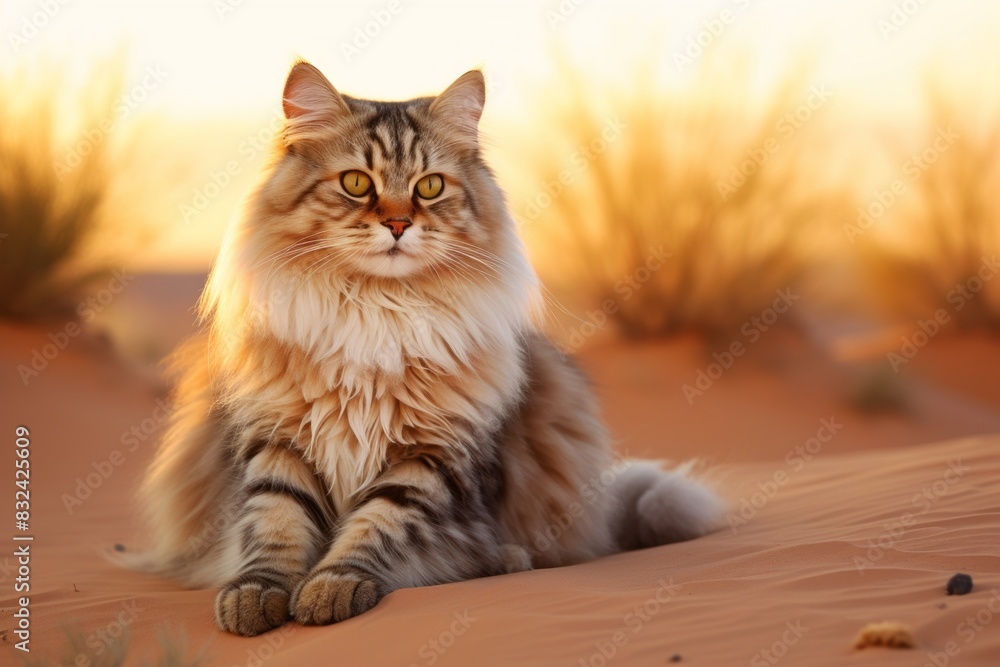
(397, 226)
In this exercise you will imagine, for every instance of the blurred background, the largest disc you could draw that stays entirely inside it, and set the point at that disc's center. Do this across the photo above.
(749, 215)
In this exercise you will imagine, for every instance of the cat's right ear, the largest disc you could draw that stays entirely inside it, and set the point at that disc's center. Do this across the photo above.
(313, 107)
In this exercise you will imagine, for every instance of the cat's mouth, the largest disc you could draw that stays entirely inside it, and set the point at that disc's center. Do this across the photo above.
(394, 251)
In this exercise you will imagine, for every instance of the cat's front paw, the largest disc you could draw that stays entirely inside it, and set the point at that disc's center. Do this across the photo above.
(251, 606)
(334, 594)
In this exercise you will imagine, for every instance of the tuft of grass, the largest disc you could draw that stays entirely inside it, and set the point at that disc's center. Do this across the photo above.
(79, 649)
(880, 391)
(672, 178)
(55, 237)
(946, 232)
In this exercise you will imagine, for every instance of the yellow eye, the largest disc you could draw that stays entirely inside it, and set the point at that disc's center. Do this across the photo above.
(430, 186)
(356, 183)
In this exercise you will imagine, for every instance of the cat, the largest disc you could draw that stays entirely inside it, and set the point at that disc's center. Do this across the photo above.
(371, 405)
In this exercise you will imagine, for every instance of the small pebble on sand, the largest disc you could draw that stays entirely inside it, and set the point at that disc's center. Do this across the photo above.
(960, 584)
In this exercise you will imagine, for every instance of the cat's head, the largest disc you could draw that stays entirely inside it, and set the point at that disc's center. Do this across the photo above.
(383, 190)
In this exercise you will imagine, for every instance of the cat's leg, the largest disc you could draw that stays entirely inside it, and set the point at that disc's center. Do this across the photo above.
(423, 522)
(283, 525)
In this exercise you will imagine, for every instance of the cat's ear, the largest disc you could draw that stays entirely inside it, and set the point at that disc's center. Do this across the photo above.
(313, 107)
(461, 105)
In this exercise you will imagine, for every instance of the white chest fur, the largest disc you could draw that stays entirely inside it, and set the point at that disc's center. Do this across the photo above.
(394, 368)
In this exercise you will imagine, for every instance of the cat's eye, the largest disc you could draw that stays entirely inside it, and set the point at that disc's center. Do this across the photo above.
(430, 186)
(356, 183)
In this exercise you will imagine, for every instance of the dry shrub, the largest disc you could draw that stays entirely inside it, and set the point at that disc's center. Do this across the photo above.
(56, 236)
(943, 237)
(658, 184)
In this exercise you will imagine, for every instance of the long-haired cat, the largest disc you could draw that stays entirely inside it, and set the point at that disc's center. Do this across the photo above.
(370, 406)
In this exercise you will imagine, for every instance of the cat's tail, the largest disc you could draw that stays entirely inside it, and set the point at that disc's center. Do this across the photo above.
(183, 497)
(657, 506)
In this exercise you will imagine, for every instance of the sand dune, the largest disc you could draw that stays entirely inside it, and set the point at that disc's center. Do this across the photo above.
(822, 541)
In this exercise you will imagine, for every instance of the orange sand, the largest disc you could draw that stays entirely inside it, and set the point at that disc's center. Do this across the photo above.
(868, 528)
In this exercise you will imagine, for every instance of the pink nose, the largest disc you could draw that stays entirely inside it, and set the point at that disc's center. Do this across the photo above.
(397, 227)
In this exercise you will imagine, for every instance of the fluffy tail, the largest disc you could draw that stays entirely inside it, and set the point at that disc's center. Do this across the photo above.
(658, 506)
(184, 493)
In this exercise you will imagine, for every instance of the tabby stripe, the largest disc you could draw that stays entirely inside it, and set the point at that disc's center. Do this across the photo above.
(251, 450)
(248, 538)
(459, 496)
(411, 148)
(377, 140)
(470, 200)
(305, 193)
(458, 492)
(348, 567)
(263, 574)
(400, 150)
(401, 495)
(305, 500)
(414, 535)
(263, 560)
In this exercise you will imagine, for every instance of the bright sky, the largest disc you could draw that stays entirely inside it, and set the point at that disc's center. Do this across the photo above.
(206, 60)
(233, 54)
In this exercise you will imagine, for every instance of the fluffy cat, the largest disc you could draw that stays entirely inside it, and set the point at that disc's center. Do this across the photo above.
(370, 406)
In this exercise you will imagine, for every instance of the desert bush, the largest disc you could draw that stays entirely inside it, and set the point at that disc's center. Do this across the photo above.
(79, 648)
(55, 231)
(712, 171)
(940, 242)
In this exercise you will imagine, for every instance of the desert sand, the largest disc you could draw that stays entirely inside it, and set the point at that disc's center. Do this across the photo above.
(866, 523)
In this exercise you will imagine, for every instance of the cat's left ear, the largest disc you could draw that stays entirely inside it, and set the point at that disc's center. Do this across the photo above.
(461, 105)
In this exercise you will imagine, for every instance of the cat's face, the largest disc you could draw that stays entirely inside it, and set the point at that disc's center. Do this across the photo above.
(382, 189)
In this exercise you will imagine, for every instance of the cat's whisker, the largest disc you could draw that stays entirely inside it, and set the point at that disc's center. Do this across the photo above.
(289, 248)
(546, 294)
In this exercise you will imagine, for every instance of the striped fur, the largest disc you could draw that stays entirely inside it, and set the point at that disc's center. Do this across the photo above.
(363, 412)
